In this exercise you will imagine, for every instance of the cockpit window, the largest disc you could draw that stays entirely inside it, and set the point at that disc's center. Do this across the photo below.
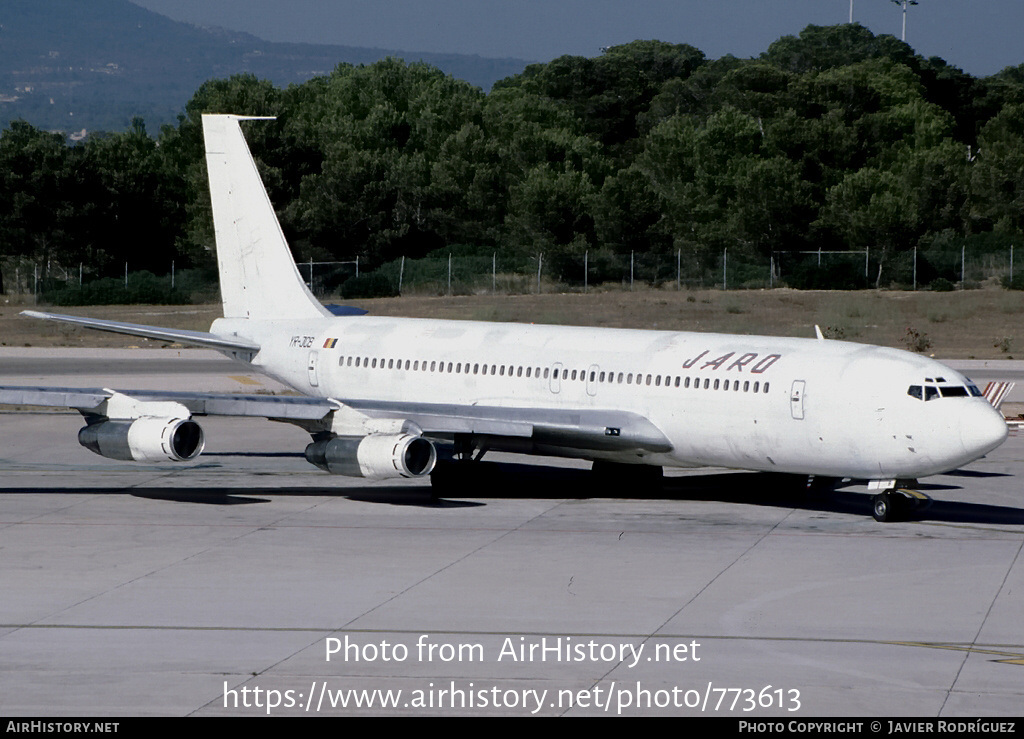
(975, 392)
(931, 392)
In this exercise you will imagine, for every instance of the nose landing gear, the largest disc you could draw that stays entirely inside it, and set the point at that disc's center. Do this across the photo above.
(895, 503)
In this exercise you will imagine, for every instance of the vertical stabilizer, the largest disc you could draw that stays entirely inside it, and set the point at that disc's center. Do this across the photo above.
(258, 276)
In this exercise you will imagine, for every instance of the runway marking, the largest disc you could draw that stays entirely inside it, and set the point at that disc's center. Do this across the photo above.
(1015, 658)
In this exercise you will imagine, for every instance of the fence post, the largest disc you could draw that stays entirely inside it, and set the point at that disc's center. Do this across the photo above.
(630, 270)
(1011, 262)
(401, 273)
(449, 273)
(126, 275)
(915, 268)
(963, 265)
(679, 267)
(725, 268)
(540, 264)
(494, 272)
(586, 255)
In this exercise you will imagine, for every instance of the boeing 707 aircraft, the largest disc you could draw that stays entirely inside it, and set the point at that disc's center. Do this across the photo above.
(383, 395)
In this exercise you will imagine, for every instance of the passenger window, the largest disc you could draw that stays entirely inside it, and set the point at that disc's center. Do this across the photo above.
(726, 385)
(686, 382)
(766, 387)
(716, 384)
(706, 383)
(746, 385)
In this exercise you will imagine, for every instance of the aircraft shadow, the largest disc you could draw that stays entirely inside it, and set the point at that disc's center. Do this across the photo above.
(508, 480)
(499, 480)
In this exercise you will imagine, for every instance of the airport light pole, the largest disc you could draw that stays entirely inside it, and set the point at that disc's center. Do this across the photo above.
(904, 4)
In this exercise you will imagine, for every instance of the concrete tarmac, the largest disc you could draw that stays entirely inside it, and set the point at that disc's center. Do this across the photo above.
(219, 587)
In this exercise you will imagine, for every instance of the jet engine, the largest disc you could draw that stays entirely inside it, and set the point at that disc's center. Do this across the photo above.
(377, 456)
(147, 439)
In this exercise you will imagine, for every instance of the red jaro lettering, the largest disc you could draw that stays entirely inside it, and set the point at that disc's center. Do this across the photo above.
(716, 363)
(740, 364)
(765, 363)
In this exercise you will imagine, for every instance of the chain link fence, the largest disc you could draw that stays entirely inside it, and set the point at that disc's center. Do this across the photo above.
(29, 281)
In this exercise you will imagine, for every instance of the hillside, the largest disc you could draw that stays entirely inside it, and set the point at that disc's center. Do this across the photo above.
(68, 65)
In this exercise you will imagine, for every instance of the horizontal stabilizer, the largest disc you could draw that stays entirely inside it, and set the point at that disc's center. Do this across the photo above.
(181, 336)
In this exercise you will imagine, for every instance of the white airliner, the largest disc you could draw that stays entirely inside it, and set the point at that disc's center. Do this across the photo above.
(383, 395)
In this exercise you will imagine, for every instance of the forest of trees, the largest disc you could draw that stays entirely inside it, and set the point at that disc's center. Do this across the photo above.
(836, 139)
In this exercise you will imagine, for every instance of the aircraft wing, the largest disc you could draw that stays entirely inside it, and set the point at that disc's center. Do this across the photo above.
(194, 338)
(582, 429)
(288, 407)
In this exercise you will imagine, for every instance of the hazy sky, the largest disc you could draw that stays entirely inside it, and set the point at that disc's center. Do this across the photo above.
(980, 36)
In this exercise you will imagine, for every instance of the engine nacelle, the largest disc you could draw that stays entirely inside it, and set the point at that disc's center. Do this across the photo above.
(377, 456)
(146, 439)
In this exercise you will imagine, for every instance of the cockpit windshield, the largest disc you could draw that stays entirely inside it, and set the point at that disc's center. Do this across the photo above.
(932, 390)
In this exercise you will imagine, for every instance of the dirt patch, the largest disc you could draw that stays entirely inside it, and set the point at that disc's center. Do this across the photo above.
(983, 324)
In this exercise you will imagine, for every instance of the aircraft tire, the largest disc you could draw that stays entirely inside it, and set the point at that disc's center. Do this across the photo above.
(882, 507)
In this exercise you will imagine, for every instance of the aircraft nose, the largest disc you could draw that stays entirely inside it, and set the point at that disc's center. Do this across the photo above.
(982, 429)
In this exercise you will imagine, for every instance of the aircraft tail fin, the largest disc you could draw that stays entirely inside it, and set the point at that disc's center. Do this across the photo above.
(258, 276)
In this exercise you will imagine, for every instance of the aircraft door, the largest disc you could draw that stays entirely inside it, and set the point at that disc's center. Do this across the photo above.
(312, 369)
(592, 381)
(796, 400)
(556, 377)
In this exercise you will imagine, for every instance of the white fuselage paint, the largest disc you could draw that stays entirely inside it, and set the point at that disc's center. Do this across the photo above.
(832, 408)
